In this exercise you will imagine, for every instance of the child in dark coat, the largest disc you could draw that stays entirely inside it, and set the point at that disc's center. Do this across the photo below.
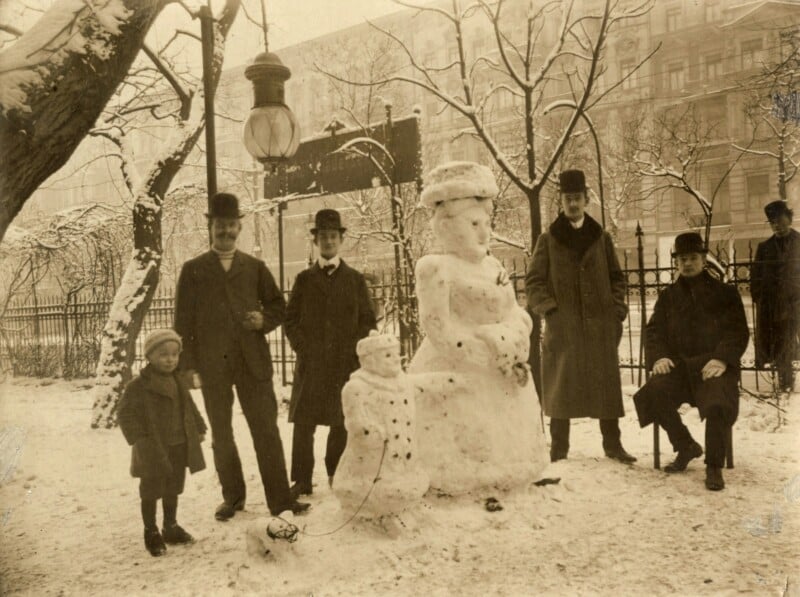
(160, 420)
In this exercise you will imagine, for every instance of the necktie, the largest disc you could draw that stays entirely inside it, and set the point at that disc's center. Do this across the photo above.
(328, 269)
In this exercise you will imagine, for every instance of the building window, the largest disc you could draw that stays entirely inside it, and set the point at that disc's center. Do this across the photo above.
(713, 12)
(625, 69)
(758, 194)
(713, 67)
(676, 77)
(673, 19)
(751, 53)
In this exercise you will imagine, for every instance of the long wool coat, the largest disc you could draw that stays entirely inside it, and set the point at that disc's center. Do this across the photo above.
(775, 287)
(145, 418)
(210, 309)
(325, 318)
(692, 324)
(583, 301)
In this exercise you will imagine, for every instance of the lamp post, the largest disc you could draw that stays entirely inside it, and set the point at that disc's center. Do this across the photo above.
(272, 136)
(570, 104)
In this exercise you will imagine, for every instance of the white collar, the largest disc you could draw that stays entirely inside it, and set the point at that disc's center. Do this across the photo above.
(577, 225)
(334, 261)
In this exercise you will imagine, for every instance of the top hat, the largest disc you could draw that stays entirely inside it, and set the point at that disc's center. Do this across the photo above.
(688, 242)
(777, 208)
(327, 219)
(458, 180)
(224, 205)
(572, 181)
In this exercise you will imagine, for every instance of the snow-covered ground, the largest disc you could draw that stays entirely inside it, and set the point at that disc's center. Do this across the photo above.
(70, 524)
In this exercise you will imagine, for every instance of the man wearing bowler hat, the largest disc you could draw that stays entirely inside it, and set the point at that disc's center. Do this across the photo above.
(693, 343)
(226, 303)
(329, 311)
(775, 287)
(575, 283)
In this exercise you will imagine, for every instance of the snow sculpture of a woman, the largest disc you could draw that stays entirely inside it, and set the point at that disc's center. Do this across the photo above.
(380, 463)
(478, 416)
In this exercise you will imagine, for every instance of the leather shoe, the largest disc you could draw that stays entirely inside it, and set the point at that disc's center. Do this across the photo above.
(154, 542)
(714, 480)
(226, 511)
(176, 535)
(681, 461)
(299, 507)
(299, 489)
(621, 455)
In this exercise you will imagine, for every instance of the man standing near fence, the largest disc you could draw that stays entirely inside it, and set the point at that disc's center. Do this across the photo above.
(693, 343)
(329, 311)
(775, 287)
(226, 302)
(575, 283)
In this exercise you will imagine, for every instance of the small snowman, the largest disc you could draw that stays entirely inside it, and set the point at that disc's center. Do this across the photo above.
(380, 465)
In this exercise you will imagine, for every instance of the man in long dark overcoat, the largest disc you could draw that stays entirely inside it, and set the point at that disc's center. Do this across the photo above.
(227, 301)
(693, 343)
(329, 311)
(576, 284)
(775, 287)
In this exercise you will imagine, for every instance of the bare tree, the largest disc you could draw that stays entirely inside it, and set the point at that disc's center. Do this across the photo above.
(55, 80)
(183, 112)
(555, 47)
(773, 111)
(672, 150)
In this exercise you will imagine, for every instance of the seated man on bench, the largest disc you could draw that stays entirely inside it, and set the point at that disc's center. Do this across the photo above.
(693, 343)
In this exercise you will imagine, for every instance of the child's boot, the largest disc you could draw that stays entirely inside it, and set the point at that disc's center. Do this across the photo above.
(174, 534)
(154, 542)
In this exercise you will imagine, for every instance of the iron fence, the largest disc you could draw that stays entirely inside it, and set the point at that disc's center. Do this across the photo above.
(58, 336)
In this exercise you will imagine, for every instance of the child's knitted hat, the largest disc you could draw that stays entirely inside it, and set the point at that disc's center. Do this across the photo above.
(157, 337)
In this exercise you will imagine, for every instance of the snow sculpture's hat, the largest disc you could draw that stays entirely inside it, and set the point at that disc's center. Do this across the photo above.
(224, 205)
(572, 181)
(375, 342)
(776, 209)
(458, 180)
(157, 337)
(327, 219)
(688, 242)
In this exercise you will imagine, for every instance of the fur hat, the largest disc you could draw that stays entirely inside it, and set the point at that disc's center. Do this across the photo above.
(689, 242)
(156, 338)
(374, 342)
(328, 219)
(572, 181)
(224, 205)
(776, 209)
(458, 180)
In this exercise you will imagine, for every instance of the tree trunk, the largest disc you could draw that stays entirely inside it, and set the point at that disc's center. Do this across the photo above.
(68, 89)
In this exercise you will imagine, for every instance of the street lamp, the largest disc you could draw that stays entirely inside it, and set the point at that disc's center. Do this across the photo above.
(271, 133)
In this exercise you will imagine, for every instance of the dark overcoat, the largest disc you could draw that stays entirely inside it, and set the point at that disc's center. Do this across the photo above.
(145, 417)
(775, 287)
(692, 324)
(210, 308)
(325, 318)
(582, 298)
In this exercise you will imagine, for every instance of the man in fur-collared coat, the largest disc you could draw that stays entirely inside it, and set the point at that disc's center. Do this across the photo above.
(576, 284)
(775, 286)
(329, 311)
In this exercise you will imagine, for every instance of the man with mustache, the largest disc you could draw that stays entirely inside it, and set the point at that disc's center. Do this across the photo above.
(226, 302)
(576, 284)
(775, 286)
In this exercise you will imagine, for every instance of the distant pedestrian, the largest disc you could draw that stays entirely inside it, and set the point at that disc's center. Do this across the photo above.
(329, 311)
(693, 343)
(575, 283)
(226, 303)
(775, 287)
(160, 420)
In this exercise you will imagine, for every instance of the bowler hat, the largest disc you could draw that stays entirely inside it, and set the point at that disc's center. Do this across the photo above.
(224, 205)
(688, 242)
(572, 181)
(777, 208)
(327, 219)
